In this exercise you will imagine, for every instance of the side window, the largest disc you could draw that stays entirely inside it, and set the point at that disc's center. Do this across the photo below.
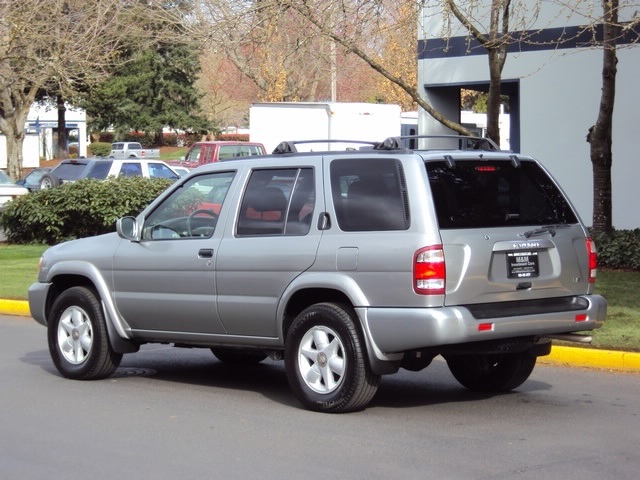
(190, 211)
(131, 170)
(369, 194)
(277, 202)
(226, 152)
(100, 170)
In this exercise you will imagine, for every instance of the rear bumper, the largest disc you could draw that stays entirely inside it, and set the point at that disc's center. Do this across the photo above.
(392, 330)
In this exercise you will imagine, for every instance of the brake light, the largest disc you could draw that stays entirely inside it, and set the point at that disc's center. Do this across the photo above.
(593, 260)
(429, 272)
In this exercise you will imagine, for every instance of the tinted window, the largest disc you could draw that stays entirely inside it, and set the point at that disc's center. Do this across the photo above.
(369, 194)
(100, 170)
(131, 170)
(278, 202)
(472, 194)
(69, 171)
(191, 210)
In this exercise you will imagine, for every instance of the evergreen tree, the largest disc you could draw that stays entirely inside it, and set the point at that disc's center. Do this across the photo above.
(155, 89)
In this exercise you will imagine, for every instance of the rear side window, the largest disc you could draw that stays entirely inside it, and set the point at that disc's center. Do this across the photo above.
(100, 169)
(227, 152)
(475, 194)
(369, 194)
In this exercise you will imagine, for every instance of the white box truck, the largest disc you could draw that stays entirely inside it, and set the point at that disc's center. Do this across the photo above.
(272, 123)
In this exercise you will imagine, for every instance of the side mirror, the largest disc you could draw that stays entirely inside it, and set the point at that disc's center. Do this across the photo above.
(127, 228)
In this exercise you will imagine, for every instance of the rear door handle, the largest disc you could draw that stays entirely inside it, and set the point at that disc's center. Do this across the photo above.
(205, 253)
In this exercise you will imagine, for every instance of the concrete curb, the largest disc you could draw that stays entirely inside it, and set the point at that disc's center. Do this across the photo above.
(564, 356)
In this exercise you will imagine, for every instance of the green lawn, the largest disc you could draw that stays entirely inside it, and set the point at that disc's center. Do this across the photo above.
(621, 289)
(172, 153)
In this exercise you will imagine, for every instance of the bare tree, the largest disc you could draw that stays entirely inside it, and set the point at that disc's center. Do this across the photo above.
(600, 134)
(358, 29)
(66, 43)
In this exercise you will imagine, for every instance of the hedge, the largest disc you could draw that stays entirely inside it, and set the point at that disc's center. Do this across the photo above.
(80, 209)
(91, 207)
(619, 249)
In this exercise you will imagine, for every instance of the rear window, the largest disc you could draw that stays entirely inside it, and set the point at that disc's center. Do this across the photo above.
(474, 194)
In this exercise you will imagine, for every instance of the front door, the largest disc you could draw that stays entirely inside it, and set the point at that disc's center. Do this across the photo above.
(166, 282)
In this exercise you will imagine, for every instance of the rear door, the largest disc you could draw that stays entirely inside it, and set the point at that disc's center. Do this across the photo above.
(274, 240)
(508, 232)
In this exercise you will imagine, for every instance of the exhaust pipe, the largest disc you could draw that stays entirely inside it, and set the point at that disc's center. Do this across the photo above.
(571, 337)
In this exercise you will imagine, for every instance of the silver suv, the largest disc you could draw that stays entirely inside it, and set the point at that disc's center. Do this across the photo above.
(347, 264)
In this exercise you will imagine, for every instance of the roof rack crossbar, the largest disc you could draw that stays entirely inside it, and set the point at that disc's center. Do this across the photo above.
(291, 146)
(465, 142)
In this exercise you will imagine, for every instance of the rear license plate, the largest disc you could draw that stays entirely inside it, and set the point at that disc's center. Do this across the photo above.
(522, 264)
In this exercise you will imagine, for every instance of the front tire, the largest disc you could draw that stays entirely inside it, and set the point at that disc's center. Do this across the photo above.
(491, 372)
(326, 361)
(77, 336)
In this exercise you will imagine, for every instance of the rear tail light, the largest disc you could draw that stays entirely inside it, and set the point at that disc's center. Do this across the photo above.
(429, 272)
(593, 260)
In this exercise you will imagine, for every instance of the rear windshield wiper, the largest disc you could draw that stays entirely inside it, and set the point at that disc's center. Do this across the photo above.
(551, 229)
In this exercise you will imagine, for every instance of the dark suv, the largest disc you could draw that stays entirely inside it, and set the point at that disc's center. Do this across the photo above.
(346, 264)
(73, 169)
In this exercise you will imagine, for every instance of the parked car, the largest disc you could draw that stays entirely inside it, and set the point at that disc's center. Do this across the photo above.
(179, 169)
(100, 168)
(9, 190)
(348, 265)
(202, 153)
(31, 181)
(132, 150)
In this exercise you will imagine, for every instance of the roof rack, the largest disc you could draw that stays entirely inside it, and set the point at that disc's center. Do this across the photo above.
(290, 146)
(465, 142)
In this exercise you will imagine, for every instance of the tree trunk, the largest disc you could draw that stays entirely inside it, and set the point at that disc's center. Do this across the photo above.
(63, 150)
(600, 134)
(15, 140)
(12, 126)
(493, 100)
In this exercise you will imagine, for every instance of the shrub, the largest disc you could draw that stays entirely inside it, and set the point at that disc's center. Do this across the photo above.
(619, 249)
(100, 149)
(106, 137)
(237, 137)
(80, 209)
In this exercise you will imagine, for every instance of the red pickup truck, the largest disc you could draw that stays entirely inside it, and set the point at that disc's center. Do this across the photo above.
(216, 151)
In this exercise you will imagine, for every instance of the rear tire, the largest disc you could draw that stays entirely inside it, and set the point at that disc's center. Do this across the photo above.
(77, 336)
(491, 373)
(326, 361)
(48, 181)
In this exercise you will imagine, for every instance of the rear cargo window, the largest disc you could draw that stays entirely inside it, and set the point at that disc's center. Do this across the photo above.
(473, 194)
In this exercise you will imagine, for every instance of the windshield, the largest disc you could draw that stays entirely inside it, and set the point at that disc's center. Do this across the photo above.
(4, 178)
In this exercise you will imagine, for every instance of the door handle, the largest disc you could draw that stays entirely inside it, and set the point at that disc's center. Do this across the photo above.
(205, 253)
